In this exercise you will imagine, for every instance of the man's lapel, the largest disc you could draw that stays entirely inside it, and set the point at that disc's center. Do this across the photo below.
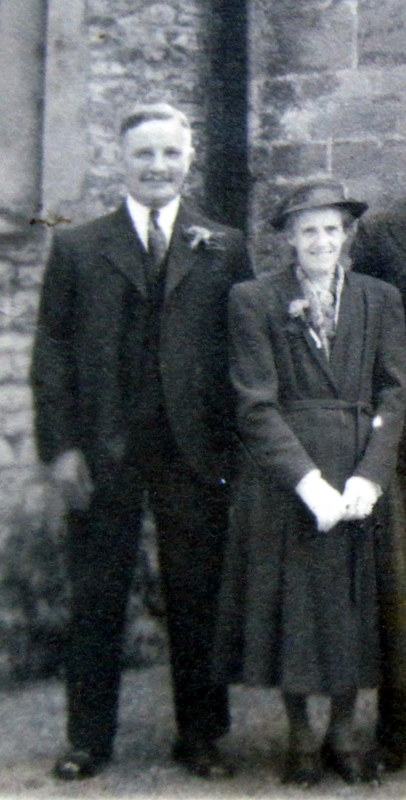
(181, 257)
(122, 247)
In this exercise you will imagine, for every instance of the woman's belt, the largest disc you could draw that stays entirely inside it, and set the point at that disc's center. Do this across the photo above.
(327, 403)
(359, 407)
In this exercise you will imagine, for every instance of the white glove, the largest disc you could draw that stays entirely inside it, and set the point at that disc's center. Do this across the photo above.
(325, 502)
(359, 497)
(70, 474)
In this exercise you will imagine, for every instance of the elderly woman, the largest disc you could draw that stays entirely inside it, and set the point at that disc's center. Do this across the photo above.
(318, 360)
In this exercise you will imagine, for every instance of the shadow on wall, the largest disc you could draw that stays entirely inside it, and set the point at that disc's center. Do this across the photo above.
(34, 594)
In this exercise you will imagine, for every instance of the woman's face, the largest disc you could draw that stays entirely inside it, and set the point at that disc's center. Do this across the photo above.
(317, 236)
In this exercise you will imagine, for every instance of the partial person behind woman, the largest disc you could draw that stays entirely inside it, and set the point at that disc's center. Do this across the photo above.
(318, 360)
(379, 249)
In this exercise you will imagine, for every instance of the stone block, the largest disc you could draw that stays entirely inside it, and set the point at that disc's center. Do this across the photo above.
(24, 310)
(64, 161)
(29, 277)
(351, 162)
(7, 454)
(270, 250)
(382, 32)
(303, 36)
(264, 197)
(274, 98)
(6, 367)
(277, 95)
(15, 342)
(25, 451)
(269, 126)
(14, 398)
(20, 364)
(372, 171)
(192, 14)
(297, 160)
(6, 275)
(15, 422)
(103, 8)
(351, 105)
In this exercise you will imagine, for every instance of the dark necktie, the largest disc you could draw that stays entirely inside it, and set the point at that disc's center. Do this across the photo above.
(157, 244)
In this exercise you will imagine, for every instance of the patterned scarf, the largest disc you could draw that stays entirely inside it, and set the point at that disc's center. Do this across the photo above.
(324, 305)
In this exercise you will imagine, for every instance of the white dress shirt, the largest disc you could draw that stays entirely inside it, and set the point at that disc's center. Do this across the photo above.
(140, 215)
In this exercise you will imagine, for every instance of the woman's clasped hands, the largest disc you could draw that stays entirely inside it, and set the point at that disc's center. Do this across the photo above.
(329, 506)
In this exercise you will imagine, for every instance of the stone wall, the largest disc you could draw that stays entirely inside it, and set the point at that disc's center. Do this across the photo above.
(128, 52)
(20, 277)
(151, 52)
(328, 96)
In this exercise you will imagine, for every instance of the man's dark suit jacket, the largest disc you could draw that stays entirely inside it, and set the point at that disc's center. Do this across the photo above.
(379, 249)
(95, 279)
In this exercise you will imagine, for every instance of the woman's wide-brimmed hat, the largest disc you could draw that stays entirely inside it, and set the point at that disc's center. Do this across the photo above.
(317, 194)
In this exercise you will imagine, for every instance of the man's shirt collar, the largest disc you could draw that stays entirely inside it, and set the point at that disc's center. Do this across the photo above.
(140, 214)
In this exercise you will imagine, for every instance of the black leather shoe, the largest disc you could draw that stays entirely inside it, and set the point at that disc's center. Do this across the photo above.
(302, 768)
(201, 758)
(392, 751)
(350, 766)
(78, 764)
(373, 765)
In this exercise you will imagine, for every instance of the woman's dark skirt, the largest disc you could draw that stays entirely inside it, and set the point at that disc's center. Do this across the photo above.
(298, 609)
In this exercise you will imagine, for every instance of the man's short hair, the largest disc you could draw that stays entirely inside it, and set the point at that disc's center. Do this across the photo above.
(154, 111)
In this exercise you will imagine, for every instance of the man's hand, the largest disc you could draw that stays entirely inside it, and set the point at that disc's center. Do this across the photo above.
(359, 496)
(325, 502)
(70, 474)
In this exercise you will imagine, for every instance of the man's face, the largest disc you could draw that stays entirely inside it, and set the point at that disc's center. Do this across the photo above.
(318, 236)
(157, 155)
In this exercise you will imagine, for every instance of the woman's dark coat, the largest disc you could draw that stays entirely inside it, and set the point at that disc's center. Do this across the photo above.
(289, 591)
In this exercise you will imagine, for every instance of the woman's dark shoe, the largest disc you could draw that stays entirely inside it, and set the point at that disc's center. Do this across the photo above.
(373, 766)
(302, 768)
(78, 764)
(350, 765)
(392, 751)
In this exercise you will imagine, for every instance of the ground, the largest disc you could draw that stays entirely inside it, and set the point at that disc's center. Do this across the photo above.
(32, 725)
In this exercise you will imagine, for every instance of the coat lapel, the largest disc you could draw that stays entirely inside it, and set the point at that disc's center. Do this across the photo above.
(181, 257)
(351, 327)
(293, 292)
(123, 249)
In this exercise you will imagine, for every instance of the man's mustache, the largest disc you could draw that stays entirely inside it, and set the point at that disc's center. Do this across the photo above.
(156, 176)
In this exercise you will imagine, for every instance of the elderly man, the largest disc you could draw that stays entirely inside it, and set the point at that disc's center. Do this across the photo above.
(131, 395)
(379, 249)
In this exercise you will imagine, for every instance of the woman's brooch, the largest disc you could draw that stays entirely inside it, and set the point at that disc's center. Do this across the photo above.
(297, 309)
(198, 236)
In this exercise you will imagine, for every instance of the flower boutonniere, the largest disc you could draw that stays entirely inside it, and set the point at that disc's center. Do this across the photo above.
(198, 236)
(299, 308)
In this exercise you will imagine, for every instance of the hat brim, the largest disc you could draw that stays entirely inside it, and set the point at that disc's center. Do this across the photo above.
(355, 207)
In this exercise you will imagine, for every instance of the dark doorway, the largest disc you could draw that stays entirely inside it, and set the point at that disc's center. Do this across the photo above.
(227, 168)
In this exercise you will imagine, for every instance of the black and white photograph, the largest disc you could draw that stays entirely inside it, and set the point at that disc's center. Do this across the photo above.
(203, 399)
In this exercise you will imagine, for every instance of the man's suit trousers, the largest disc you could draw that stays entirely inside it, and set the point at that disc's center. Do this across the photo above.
(191, 518)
